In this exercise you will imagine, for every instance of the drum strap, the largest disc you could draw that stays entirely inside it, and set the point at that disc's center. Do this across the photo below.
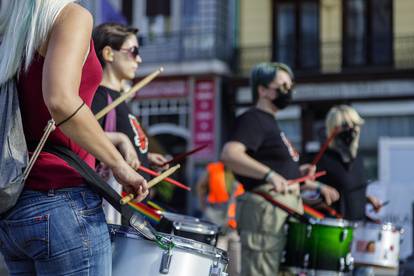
(103, 189)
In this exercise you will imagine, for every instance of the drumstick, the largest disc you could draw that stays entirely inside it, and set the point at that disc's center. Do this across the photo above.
(381, 205)
(183, 155)
(126, 95)
(167, 179)
(152, 182)
(331, 211)
(306, 177)
(325, 145)
(282, 206)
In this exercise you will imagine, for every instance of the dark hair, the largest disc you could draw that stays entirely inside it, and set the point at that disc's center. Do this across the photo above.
(264, 73)
(112, 35)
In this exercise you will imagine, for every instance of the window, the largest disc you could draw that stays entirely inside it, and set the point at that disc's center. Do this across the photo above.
(296, 33)
(158, 13)
(367, 35)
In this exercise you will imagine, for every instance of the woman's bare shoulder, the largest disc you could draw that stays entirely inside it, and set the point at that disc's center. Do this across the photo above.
(75, 13)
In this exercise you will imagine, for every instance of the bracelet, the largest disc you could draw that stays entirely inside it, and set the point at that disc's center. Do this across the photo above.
(318, 188)
(70, 116)
(268, 175)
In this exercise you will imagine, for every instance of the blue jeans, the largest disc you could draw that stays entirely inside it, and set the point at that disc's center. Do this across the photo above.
(62, 232)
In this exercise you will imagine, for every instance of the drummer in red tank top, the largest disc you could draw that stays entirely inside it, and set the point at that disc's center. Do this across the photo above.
(57, 227)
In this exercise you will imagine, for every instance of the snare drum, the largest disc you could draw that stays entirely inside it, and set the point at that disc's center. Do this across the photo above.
(377, 244)
(323, 246)
(188, 227)
(132, 254)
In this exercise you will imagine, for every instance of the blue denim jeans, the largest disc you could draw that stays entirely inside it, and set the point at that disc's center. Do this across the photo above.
(62, 232)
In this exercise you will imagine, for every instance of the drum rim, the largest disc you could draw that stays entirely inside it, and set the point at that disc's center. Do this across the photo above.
(170, 215)
(199, 228)
(335, 222)
(202, 248)
(184, 223)
(385, 226)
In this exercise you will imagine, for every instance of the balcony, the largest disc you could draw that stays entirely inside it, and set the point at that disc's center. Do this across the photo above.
(331, 59)
(186, 46)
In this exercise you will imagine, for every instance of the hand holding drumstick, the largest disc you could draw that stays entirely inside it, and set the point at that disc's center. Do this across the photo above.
(152, 183)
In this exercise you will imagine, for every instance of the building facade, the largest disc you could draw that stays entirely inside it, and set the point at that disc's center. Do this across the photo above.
(357, 52)
(182, 108)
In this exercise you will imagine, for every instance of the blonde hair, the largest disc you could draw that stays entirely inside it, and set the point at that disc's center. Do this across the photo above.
(24, 27)
(342, 115)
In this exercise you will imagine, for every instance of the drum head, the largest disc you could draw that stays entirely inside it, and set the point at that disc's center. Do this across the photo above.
(179, 242)
(191, 224)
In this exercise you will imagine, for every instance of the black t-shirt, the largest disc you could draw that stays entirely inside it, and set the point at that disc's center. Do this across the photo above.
(126, 122)
(349, 180)
(265, 142)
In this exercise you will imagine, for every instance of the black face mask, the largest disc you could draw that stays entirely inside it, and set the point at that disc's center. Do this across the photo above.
(347, 136)
(283, 99)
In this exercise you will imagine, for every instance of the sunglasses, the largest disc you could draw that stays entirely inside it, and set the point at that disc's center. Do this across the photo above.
(284, 88)
(133, 51)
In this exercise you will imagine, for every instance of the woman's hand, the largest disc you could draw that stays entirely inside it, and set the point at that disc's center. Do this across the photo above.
(307, 169)
(131, 181)
(157, 160)
(329, 194)
(375, 202)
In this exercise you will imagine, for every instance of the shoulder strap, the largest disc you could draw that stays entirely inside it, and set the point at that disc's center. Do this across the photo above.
(103, 189)
(110, 119)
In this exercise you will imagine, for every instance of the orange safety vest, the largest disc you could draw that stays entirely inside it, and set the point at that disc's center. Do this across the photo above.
(218, 191)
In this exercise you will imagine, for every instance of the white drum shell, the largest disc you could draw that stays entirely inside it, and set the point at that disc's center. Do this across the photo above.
(377, 245)
(134, 255)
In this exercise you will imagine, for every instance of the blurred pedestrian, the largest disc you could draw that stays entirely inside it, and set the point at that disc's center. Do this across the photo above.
(217, 191)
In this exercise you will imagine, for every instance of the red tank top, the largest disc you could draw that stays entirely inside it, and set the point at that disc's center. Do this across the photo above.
(49, 171)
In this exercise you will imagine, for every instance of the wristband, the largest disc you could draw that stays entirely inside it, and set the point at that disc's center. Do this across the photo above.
(268, 175)
(318, 188)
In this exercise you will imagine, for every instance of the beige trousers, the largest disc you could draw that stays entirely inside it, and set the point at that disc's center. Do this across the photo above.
(261, 228)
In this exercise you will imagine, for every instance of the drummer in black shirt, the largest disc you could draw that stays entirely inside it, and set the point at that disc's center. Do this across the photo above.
(345, 169)
(263, 159)
(117, 49)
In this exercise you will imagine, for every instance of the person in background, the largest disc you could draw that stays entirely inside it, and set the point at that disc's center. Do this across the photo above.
(57, 226)
(345, 169)
(117, 49)
(263, 159)
(217, 191)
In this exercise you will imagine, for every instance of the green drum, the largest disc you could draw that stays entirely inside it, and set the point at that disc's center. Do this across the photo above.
(321, 246)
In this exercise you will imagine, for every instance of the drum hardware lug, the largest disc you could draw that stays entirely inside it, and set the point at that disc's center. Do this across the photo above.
(283, 259)
(215, 270)
(306, 260)
(165, 262)
(380, 236)
(349, 261)
(308, 231)
(344, 234)
(341, 264)
(286, 228)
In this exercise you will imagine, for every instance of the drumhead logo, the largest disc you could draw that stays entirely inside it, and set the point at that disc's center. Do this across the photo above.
(140, 139)
(292, 151)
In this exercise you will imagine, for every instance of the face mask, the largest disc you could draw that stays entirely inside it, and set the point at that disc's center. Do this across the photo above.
(283, 99)
(348, 136)
(346, 143)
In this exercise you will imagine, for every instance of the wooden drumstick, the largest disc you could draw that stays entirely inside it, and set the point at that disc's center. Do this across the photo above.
(126, 95)
(152, 182)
